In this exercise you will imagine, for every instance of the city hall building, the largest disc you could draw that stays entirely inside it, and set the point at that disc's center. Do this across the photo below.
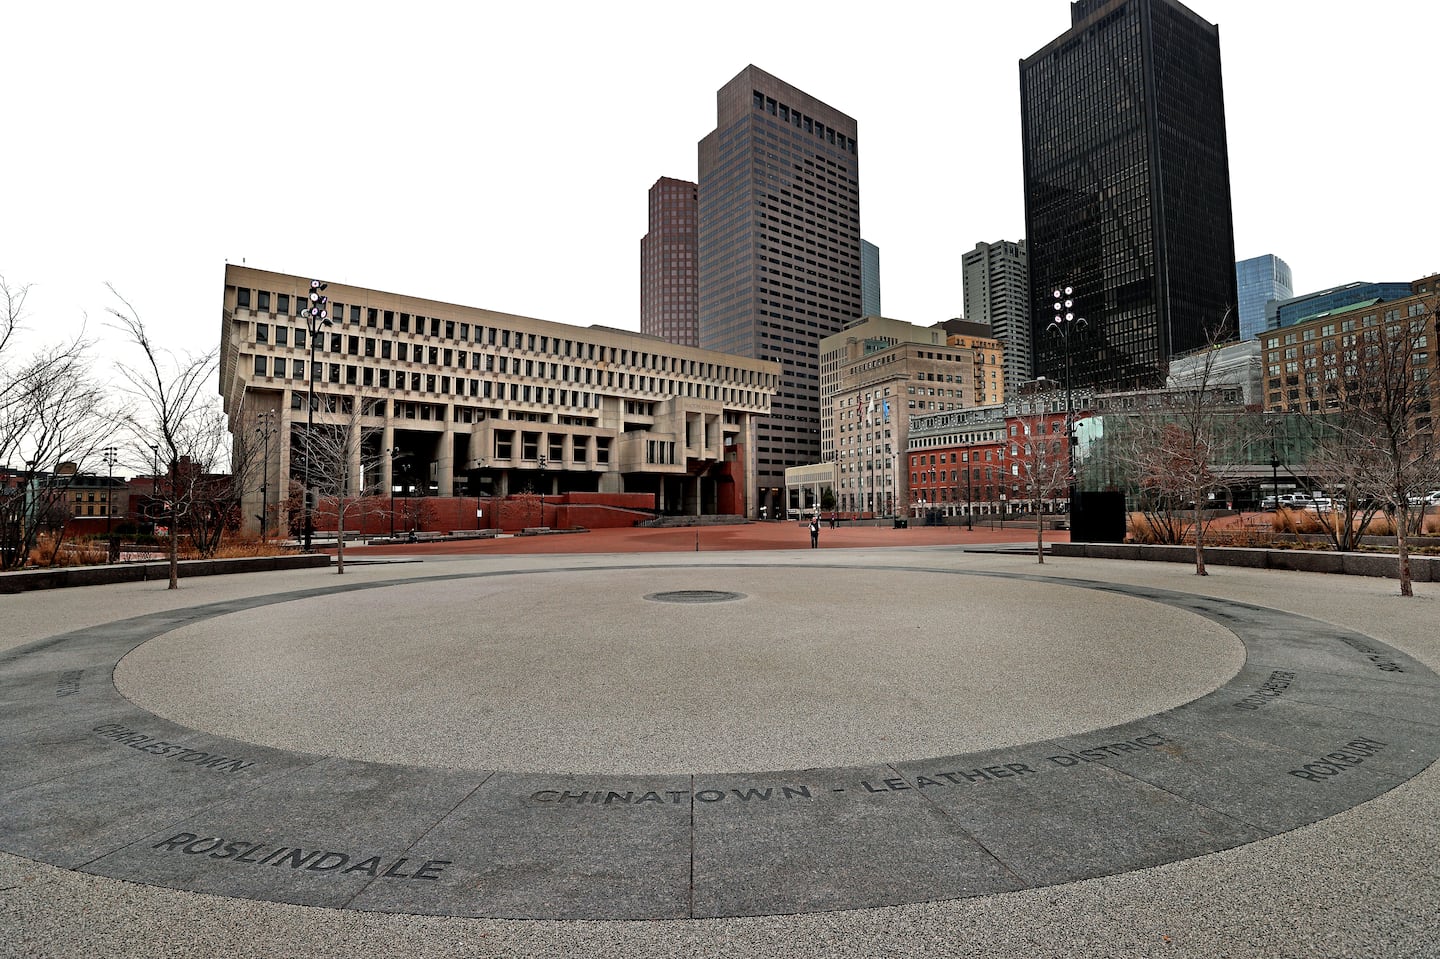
(459, 401)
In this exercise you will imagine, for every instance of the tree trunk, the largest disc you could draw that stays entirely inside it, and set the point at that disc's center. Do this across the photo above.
(1040, 537)
(174, 551)
(1199, 536)
(340, 537)
(1402, 549)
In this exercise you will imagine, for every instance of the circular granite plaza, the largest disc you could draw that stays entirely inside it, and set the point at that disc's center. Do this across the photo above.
(688, 737)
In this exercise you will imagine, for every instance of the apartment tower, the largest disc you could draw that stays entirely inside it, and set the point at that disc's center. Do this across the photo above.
(779, 249)
(997, 295)
(1127, 190)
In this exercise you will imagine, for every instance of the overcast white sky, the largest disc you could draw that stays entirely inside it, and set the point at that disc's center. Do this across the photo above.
(499, 156)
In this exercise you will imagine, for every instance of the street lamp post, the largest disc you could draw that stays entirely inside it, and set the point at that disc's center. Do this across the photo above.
(154, 482)
(541, 487)
(479, 467)
(395, 455)
(1063, 324)
(1275, 478)
(110, 456)
(969, 498)
(317, 317)
(266, 428)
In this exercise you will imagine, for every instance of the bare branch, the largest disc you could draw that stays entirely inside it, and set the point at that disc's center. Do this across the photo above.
(174, 412)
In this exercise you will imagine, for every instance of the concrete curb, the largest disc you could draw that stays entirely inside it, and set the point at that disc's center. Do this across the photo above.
(1423, 569)
(31, 579)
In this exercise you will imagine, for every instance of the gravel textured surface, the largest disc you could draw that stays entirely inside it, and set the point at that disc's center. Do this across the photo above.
(576, 672)
(1362, 883)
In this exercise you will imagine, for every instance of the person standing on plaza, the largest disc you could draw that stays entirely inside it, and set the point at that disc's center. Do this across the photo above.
(815, 531)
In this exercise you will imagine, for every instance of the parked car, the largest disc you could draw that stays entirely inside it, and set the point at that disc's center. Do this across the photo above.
(1270, 502)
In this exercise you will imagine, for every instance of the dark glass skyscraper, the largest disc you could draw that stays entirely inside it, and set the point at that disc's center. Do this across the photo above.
(1127, 189)
(779, 250)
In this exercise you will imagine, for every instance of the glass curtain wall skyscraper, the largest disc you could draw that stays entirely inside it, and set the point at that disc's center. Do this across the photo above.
(1259, 280)
(869, 278)
(779, 250)
(1127, 190)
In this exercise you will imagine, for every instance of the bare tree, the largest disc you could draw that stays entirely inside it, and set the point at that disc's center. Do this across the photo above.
(1332, 468)
(345, 457)
(174, 411)
(211, 492)
(1042, 461)
(51, 412)
(1382, 416)
(1178, 445)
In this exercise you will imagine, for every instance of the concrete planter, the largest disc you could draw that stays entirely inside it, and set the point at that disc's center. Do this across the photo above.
(26, 580)
(1423, 569)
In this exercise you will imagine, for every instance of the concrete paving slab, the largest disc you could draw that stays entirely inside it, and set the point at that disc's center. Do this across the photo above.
(828, 839)
(535, 846)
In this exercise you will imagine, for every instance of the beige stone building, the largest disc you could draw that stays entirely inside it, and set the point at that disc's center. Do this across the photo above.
(989, 364)
(456, 400)
(874, 377)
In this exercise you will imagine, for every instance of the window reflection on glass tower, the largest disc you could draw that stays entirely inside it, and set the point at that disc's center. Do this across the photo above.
(1127, 189)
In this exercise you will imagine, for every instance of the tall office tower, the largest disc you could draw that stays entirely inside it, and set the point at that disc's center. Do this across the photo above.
(1127, 190)
(1259, 280)
(668, 271)
(779, 250)
(869, 278)
(997, 293)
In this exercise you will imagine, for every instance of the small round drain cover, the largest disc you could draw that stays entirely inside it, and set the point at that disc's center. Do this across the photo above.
(695, 596)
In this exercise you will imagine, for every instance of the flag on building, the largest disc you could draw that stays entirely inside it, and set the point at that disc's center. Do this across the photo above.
(870, 411)
(887, 409)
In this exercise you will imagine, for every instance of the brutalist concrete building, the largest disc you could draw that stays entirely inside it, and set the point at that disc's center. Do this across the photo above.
(464, 401)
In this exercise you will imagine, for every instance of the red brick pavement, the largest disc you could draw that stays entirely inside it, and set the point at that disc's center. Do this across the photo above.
(749, 536)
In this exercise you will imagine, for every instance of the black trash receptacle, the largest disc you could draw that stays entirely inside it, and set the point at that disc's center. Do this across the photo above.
(901, 523)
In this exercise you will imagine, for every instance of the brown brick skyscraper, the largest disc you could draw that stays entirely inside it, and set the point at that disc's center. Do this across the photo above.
(668, 267)
(779, 248)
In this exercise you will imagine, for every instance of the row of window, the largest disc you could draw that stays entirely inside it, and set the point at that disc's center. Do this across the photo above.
(802, 122)
(279, 367)
(488, 335)
(554, 446)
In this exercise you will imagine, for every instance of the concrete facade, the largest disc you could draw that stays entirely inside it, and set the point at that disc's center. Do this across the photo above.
(470, 401)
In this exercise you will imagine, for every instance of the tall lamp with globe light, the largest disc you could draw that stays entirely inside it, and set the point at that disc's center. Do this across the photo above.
(1063, 324)
(317, 317)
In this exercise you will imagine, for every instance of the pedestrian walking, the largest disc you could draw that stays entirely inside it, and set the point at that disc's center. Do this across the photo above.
(815, 532)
